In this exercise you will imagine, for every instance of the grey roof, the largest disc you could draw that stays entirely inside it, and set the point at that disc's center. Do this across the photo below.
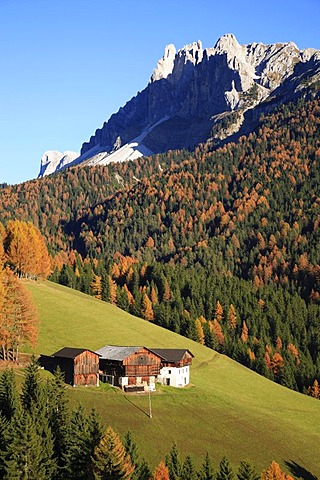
(171, 355)
(114, 352)
(69, 352)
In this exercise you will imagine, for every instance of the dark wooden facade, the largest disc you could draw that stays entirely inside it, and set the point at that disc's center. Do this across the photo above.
(80, 366)
(174, 357)
(137, 365)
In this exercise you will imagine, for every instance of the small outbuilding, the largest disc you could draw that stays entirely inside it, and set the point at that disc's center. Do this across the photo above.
(175, 366)
(131, 368)
(79, 365)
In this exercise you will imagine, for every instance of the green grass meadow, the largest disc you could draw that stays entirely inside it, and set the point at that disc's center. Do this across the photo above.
(227, 409)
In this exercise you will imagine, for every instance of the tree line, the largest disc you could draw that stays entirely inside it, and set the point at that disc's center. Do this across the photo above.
(42, 438)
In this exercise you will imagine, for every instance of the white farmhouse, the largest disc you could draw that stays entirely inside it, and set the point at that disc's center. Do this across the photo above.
(175, 366)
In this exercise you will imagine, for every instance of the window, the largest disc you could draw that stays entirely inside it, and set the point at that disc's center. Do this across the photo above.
(169, 372)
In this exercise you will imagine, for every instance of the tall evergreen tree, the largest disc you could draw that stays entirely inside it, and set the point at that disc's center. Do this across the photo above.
(95, 431)
(31, 387)
(225, 471)
(58, 417)
(25, 459)
(9, 398)
(188, 471)
(207, 472)
(246, 471)
(77, 455)
(173, 463)
(141, 470)
(4, 443)
(110, 460)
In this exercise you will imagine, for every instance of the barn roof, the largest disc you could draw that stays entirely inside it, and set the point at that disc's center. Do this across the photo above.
(69, 352)
(114, 352)
(171, 355)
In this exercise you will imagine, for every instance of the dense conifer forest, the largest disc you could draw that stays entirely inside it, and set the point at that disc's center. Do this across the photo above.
(221, 246)
(42, 438)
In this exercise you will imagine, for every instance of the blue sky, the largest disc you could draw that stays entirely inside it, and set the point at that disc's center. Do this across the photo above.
(67, 65)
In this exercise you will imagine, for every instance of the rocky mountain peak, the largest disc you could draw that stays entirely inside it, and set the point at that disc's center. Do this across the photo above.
(173, 62)
(165, 64)
(227, 44)
(193, 89)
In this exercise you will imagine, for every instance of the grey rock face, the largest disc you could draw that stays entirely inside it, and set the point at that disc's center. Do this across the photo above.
(191, 89)
(53, 161)
(191, 86)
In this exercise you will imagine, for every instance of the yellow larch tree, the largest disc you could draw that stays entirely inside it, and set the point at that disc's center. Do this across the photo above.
(274, 472)
(161, 472)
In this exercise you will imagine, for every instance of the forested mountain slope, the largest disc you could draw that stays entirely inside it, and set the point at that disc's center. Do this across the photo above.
(221, 246)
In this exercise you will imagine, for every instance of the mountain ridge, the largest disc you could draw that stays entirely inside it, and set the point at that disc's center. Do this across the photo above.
(191, 88)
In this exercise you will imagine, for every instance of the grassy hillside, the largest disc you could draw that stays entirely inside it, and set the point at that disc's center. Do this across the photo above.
(227, 410)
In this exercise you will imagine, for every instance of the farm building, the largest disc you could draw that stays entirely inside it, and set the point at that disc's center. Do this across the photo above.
(175, 366)
(79, 365)
(131, 368)
(139, 368)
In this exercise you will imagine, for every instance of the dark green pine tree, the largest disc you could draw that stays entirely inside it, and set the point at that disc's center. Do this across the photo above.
(173, 463)
(4, 443)
(105, 294)
(142, 470)
(188, 471)
(95, 431)
(77, 455)
(225, 471)
(246, 471)
(25, 459)
(207, 472)
(58, 416)
(9, 398)
(34, 401)
(31, 387)
(83, 435)
(40, 418)
(122, 299)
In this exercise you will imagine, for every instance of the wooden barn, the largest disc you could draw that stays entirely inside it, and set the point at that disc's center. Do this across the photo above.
(131, 368)
(79, 365)
(175, 366)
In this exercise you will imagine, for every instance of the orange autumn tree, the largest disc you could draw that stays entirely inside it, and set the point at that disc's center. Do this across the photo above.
(199, 329)
(26, 250)
(18, 321)
(274, 472)
(232, 317)
(110, 459)
(147, 310)
(314, 390)
(161, 472)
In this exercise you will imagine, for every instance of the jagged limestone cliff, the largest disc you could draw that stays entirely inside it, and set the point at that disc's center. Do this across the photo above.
(192, 89)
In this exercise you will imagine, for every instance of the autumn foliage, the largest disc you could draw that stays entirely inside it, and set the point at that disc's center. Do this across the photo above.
(274, 472)
(229, 234)
(23, 249)
(26, 250)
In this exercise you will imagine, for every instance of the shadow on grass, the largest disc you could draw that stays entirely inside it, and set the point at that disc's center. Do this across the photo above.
(136, 406)
(300, 472)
